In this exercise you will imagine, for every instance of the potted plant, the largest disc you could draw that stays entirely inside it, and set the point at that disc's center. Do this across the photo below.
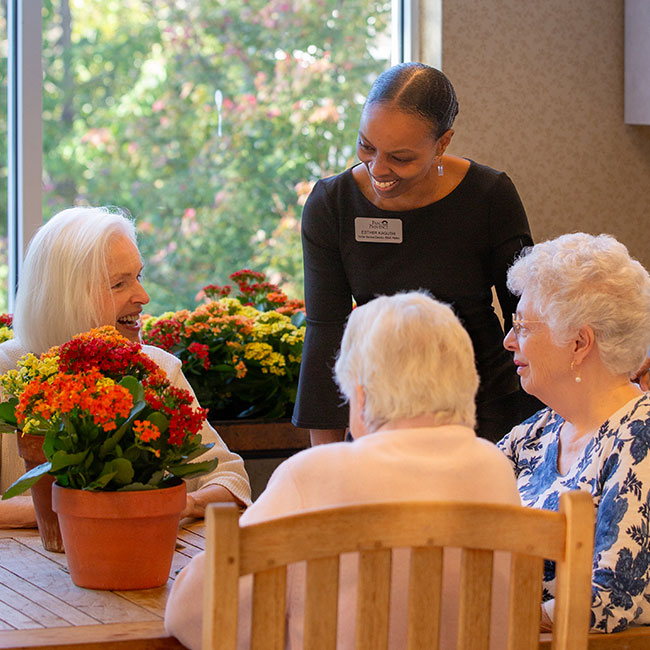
(118, 439)
(241, 353)
(30, 445)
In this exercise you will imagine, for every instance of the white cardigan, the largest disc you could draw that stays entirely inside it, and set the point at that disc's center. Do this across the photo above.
(447, 463)
(230, 472)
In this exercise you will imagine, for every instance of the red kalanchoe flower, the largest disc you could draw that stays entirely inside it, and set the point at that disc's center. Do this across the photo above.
(108, 351)
(215, 291)
(165, 334)
(201, 352)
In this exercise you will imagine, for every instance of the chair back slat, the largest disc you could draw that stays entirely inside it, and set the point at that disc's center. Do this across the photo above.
(321, 604)
(268, 627)
(220, 592)
(524, 613)
(573, 574)
(475, 599)
(373, 600)
(425, 598)
(374, 532)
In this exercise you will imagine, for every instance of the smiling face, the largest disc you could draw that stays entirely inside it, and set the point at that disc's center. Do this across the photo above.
(122, 301)
(399, 151)
(544, 368)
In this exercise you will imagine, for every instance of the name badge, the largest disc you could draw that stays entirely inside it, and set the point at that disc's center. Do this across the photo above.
(384, 231)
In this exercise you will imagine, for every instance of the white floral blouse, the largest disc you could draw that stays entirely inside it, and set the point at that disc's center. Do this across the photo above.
(615, 468)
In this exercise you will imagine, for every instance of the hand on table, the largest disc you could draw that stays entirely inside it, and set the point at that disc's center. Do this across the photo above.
(17, 512)
(197, 501)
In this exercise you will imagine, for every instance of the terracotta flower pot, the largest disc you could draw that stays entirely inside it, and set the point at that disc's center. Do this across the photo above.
(119, 540)
(30, 449)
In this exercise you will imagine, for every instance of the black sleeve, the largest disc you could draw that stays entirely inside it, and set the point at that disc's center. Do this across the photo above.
(328, 301)
(509, 233)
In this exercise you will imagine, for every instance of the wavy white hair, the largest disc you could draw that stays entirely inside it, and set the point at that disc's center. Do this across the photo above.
(64, 274)
(412, 357)
(580, 279)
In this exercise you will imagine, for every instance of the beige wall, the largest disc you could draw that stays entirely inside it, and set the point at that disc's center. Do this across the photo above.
(540, 88)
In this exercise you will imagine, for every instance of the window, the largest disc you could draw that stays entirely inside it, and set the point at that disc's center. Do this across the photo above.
(4, 261)
(208, 120)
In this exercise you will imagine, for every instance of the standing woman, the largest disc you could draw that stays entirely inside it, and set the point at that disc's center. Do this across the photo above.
(410, 217)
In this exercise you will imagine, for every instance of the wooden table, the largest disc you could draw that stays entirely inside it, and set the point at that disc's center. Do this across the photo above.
(40, 607)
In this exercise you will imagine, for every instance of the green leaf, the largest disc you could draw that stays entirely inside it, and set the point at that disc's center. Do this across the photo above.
(27, 480)
(192, 470)
(101, 482)
(132, 453)
(156, 477)
(49, 444)
(222, 367)
(61, 459)
(8, 412)
(199, 451)
(122, 470)
(134, 387)
(137, 487)
(160, 420)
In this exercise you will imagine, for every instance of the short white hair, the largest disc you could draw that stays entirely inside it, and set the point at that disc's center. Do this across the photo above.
(580, 279)
(63, 275)
(412, 357)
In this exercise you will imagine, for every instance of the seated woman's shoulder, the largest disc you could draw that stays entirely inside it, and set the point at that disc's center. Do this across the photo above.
(167, 361)
(10, 352)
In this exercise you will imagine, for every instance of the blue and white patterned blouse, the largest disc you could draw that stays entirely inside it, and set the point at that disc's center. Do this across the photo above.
(615, 468)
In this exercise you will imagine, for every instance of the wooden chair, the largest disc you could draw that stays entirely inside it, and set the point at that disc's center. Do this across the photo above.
(319, 536)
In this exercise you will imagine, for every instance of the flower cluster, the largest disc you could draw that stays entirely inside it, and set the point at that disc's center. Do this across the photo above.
(6, 333)
(110, 417)
(240, 354)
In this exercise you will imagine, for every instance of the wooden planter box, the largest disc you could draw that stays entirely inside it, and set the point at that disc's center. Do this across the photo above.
(262, 439)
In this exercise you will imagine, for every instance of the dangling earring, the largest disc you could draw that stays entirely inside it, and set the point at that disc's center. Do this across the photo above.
(578, 378)
(441, 170)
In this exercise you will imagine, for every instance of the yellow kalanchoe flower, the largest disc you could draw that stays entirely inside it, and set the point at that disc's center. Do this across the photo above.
(29, 366)
(6, 333)
(293, 337)
(270, 361)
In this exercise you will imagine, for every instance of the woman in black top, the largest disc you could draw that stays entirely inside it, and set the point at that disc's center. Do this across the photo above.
(410, 217)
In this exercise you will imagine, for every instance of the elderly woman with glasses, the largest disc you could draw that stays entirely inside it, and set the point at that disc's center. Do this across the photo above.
(579, 334)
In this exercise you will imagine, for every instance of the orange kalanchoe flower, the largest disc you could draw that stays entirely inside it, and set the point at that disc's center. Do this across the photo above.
(84, 395)
(145, 430)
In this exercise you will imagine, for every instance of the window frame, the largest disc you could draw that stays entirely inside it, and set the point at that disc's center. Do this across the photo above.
(24, 133)
(25, 109)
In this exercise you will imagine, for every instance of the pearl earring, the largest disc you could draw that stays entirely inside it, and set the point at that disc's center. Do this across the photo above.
(578, 378)
(441, 170)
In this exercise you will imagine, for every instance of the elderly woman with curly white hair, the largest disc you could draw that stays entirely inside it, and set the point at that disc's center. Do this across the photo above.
(83, 270)
(579, 334)
(406, 366)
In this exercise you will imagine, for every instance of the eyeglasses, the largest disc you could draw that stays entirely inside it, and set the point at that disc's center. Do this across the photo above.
(519, 324)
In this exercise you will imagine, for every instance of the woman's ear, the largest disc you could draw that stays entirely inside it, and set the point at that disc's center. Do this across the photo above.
(443, 142)
(358, 426)
(583, 343)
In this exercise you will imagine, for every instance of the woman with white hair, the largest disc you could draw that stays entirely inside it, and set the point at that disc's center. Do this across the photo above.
(579, 334)
(406, 366)
(83, 270)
